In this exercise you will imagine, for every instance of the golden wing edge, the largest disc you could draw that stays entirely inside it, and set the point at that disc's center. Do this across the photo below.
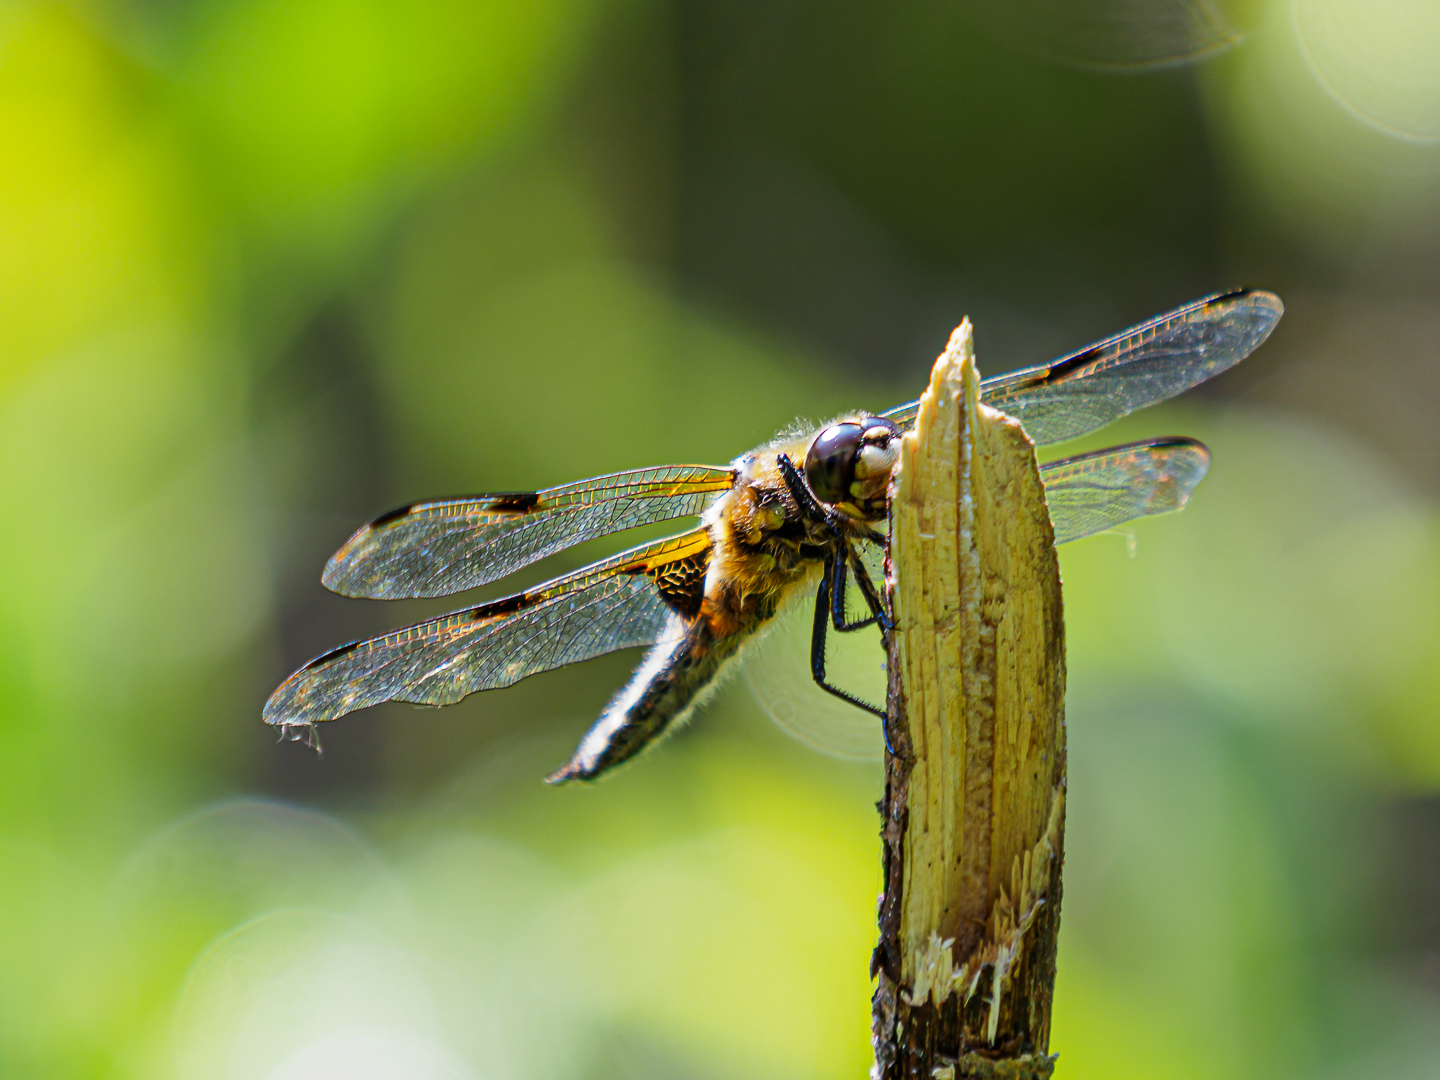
(286, 707)
(996, 388)
(364, 566)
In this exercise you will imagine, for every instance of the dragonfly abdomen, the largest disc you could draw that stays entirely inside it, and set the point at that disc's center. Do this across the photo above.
(670, 682)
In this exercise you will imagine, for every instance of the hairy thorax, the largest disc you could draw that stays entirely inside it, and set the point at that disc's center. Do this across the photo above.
(764, 545)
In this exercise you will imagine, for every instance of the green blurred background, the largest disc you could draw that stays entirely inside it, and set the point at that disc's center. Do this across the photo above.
(270, 268)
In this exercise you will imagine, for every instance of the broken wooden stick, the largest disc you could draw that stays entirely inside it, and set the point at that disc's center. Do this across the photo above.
(974, 805)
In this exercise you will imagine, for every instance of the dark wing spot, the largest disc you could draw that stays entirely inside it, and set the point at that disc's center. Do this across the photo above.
(515, 502)
(506, 605)
(1062, 368)
(333, 654)
(506, 502)
(394, 515)
(1234, 294)
(1172, 442)
(680, 582)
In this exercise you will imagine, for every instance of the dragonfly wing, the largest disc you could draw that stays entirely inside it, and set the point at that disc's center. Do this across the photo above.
(1142, 366)
(634, 598)
(1086, 495)
(436, 548)
(777, 669)
(1099, 491)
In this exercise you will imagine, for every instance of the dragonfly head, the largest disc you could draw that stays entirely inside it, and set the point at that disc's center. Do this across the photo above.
(848, 465)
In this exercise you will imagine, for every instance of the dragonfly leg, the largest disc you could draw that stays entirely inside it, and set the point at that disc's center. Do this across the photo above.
(873, 599)
(837, 572)
(844, 562)
(836, 569)
(817, 652)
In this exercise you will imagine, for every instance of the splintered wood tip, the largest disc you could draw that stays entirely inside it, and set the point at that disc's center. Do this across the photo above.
(975, 789)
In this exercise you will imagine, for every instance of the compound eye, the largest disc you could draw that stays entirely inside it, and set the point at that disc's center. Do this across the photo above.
(830, 462)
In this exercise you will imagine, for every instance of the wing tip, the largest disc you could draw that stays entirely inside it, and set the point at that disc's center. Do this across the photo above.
(1185, 478)
(346, 574)
(1177, 445)
(277, 711)
(335, 576)
(1260, 299)
(339, 575)
(347, 582)
(342, 573)
(282, 709)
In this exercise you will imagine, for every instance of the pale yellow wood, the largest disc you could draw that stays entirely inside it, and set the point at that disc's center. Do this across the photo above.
(979, 643)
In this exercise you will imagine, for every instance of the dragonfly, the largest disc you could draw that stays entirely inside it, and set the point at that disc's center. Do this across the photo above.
(777, 522)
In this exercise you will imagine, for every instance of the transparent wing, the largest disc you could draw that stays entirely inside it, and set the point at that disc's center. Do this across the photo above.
(437, 548)
(1095, 492)
(777, 669)
(1128, 35)
(1086, 495)
(634, 598)
(1142, 366)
